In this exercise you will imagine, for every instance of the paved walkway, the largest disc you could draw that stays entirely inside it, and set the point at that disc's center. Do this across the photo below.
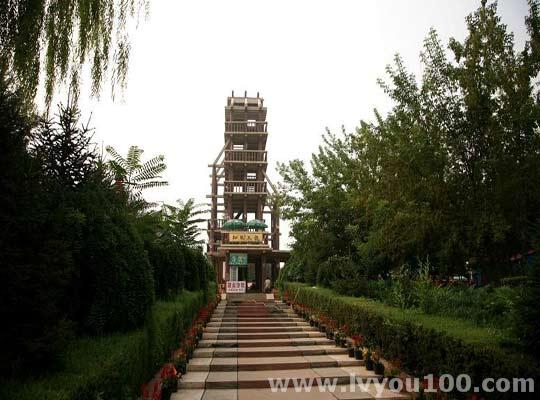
(248, 342)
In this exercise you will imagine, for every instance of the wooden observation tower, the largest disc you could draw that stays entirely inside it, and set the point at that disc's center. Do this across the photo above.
(243, 230)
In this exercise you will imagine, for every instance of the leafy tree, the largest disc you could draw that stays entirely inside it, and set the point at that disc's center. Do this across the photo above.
(447, 174)
(182, 222)
(133, 175)
(64, 150)
(59, 37)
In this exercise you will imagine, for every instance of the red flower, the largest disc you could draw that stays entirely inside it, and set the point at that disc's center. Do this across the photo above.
(168, 370)
(357, 339)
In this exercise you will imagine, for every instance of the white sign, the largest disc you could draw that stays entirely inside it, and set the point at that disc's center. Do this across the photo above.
(236, 286)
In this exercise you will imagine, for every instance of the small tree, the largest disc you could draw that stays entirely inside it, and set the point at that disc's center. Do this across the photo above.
(64, 147)
(133, 175)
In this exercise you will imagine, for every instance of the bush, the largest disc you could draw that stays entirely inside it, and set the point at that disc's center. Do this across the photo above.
(114, 279)
(168, 265)
(528, 313)
(514, 281)
(113, 367)
(423, 344)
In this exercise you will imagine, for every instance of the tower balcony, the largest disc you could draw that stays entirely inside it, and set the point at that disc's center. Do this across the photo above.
(245, 127)
(245, 187)
(246, 156)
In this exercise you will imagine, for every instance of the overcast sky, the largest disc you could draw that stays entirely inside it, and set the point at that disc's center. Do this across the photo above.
(315, 63)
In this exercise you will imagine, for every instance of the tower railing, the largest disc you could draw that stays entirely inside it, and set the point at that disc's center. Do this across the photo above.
(244, 187)
(245, 126)
(245, 155)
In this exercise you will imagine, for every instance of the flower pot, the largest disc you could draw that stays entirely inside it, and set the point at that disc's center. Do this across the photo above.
(378, 368)
(369, 364)
(343, 343)
(166, 393)
(351, 352)
(358, 354)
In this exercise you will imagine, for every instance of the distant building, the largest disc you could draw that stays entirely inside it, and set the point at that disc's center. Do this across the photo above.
(244, 253)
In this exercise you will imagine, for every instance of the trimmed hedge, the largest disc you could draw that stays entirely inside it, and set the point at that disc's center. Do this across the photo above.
(423, 344)
(114, 367)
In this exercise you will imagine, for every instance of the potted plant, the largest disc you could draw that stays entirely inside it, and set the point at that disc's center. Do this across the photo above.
(169, 381)
(358, 341)
(200, 330)
(368, 360)
(346, 332)
(179, 360)
(351, 351)
(339, 337)
(378, 366)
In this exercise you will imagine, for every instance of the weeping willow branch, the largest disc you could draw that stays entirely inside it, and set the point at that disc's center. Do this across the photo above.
(53, 39)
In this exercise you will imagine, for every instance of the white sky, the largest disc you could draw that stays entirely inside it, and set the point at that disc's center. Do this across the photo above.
(315, 63)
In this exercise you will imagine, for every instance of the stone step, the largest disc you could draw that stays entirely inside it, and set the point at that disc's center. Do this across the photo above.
(271, 363)
(276, 324)
(260, 329)
(262, 335)
(264, 342)
(262, 378)
(256, 319)
(273, 351)
(341, 392)
(245, 344)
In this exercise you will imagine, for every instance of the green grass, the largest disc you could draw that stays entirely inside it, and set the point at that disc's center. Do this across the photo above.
(113, 365)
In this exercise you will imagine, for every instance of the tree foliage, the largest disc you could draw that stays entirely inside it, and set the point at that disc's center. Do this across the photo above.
(76, 255)
(449, 173)
(57, 38)
(133, 175)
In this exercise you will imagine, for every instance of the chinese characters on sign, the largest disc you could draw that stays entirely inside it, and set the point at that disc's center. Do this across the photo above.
(236, 286)
(239, 237)
(238, 259)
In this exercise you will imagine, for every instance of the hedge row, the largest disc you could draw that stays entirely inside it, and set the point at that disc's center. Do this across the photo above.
(420, 349)
(113, 367)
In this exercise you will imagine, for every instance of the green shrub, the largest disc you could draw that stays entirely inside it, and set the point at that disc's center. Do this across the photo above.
(528, 313)
(424, 344)
(514, 281)
(114, 366)
(168, 266)
(114, 274)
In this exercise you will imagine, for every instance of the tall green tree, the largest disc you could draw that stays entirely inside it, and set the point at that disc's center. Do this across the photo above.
(448, 173)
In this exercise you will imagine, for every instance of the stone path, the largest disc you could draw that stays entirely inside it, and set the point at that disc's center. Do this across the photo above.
(248, 342)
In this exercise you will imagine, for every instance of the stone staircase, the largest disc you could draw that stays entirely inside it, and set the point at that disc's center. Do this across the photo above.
(248, 342)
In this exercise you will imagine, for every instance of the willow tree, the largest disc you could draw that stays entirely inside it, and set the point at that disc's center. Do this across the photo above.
(54, 39)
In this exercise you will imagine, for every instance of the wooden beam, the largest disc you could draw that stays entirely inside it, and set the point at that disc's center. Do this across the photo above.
(227, 142)
(269, 181)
